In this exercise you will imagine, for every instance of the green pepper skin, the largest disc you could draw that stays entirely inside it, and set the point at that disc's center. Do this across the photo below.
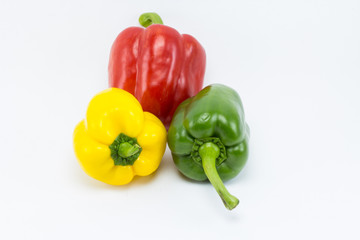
(216, 111)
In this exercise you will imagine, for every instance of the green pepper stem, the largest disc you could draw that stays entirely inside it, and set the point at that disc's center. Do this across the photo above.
(208, 153)
(126, 149)
(146, 19)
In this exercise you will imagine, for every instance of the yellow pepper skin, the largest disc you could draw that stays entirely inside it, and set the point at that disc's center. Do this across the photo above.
(112, 116)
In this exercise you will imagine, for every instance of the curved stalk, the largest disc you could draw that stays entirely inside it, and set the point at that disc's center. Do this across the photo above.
(146, 19)
(208, 153)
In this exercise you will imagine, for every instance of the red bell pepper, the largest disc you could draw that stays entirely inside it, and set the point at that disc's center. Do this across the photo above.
(156, 64)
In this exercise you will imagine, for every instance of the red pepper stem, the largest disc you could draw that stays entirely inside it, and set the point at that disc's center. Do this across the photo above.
(208, 153)
(146, 19)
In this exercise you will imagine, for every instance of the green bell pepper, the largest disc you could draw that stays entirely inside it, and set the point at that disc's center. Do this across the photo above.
(208, 138)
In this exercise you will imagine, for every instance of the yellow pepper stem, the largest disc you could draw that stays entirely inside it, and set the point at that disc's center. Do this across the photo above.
(126, 149)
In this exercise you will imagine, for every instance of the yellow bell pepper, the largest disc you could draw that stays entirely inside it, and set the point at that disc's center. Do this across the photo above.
(117, 140)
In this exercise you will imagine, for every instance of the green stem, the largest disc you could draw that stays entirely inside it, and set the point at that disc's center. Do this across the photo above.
(146, 19)
(126, 149)
(208, 153)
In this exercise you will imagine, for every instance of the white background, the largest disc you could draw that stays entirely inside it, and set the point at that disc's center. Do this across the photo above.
(296, 66)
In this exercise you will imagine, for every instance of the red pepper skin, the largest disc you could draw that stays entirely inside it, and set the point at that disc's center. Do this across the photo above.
(159, 66)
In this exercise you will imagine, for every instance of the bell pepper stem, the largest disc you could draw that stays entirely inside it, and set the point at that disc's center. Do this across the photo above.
(146, 19)
(208, 153)
(126, 149)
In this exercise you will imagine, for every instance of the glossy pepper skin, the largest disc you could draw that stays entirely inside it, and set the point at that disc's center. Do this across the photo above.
(117, 140)
(208, 138)
(158, 65)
